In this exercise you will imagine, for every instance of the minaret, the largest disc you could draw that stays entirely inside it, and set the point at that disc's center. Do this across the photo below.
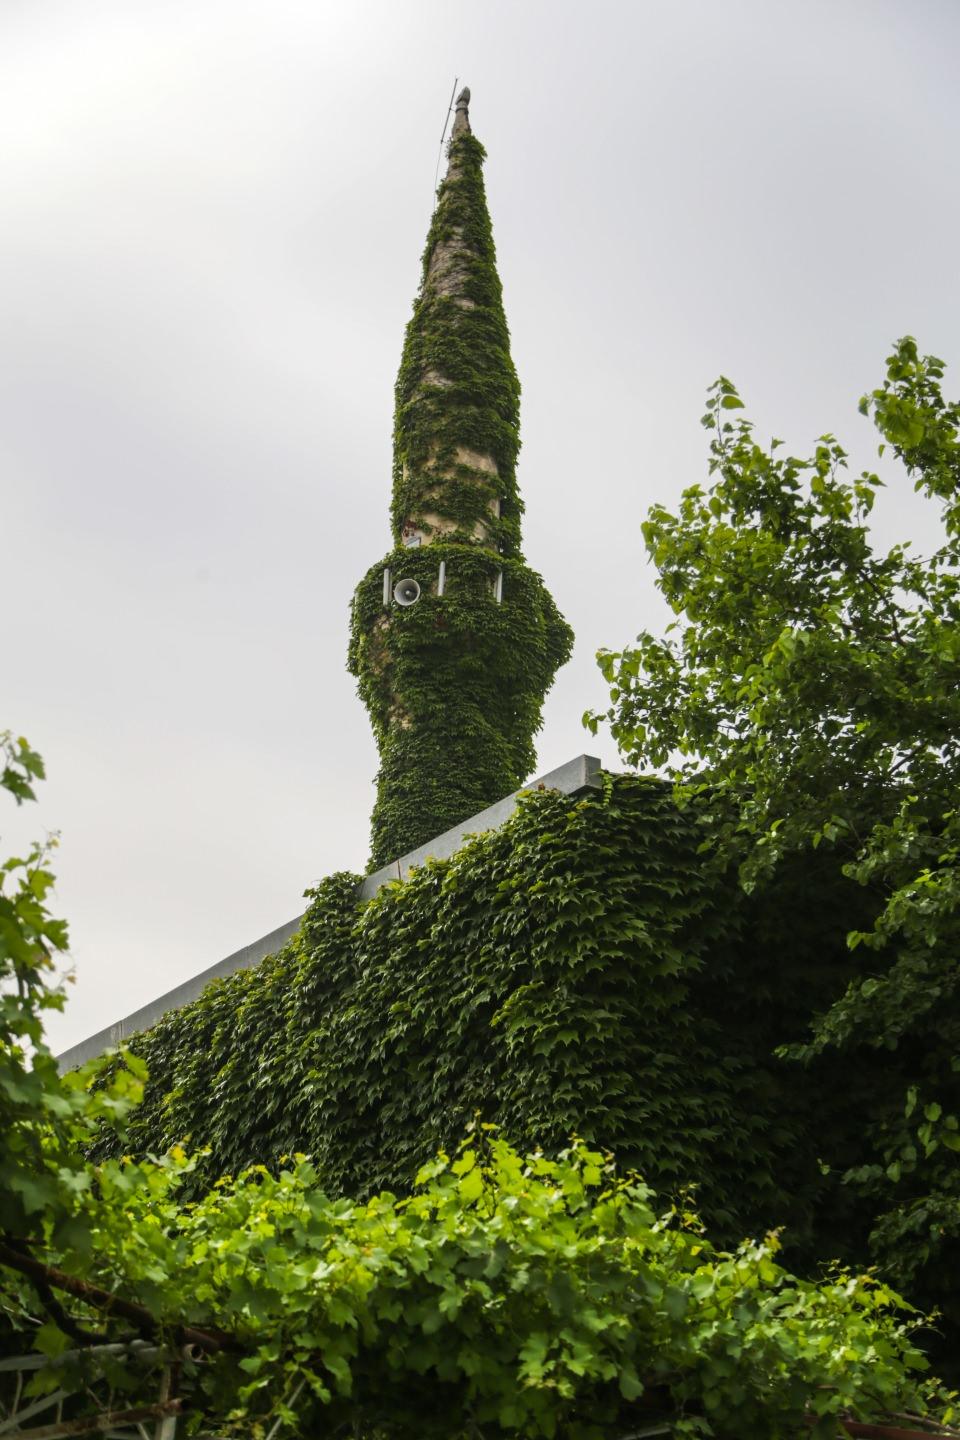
(454, 641)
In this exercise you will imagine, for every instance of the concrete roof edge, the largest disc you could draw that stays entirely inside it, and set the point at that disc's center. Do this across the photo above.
(581, 773)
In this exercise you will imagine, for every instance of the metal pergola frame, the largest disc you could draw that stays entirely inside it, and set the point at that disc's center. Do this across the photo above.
(155, 1420)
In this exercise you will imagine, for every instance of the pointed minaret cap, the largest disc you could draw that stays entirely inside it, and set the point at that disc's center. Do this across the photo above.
(457, 393)
(461, 120)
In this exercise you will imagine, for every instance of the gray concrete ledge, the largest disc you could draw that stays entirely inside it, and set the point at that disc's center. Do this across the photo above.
(148, 1015)
(577, 775)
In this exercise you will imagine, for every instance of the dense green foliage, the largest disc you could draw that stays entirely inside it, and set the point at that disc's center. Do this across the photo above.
(812, 686)
(45, 1120)
(592, 968)
(454, 686)
(507, 1296)
(454, 683)
(576, 970)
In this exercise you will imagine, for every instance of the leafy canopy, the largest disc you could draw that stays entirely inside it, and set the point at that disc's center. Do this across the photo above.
(45, 1119)
(810, 685)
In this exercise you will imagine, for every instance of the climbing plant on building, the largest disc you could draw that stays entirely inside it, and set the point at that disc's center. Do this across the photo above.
(454, 686)
(457, 419)
(455, 679)
(577, 970)
(509, 1295)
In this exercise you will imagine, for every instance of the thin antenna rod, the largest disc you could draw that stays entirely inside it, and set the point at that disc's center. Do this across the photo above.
(436, 178)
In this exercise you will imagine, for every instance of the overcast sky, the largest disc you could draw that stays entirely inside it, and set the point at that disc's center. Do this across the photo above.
(212, 217)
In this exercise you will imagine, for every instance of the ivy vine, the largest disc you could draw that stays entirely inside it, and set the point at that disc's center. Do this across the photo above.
(455, 682)
(454, 686)
(578, 970)
(457, 389)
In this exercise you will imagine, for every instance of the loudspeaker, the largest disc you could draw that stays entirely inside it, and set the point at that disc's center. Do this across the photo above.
(406, 592)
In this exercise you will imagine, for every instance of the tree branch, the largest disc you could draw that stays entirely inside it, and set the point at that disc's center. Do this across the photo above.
(107, 1420)
(56, 1279)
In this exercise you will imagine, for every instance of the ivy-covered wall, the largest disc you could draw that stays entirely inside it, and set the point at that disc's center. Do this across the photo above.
(576, 971)
(455, 682)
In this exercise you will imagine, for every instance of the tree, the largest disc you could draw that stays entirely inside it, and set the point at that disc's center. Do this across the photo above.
(810, 687)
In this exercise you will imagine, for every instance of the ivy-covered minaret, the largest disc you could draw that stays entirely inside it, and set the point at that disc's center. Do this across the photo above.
(454, 641)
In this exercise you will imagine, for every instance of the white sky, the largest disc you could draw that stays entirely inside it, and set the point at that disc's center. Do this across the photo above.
(211, 216)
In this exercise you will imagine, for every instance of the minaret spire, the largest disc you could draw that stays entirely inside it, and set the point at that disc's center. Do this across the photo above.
(455, 641)
(461, 119)
(456, 425)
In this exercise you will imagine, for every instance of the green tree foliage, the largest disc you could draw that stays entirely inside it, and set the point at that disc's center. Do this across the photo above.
(507, 1296)
(45, 1119)
(810, 685)
(455, 683)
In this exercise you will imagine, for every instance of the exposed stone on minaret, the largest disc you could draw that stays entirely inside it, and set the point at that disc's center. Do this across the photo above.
(455, 642)
(461, 119)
